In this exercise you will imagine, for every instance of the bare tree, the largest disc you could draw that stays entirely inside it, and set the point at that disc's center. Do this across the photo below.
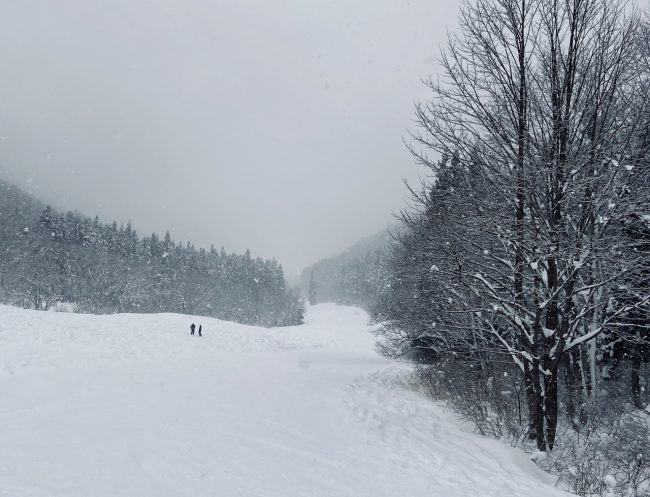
(537, 106)
(40, 290)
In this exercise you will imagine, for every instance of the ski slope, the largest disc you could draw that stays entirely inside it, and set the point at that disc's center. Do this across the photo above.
(132, 405)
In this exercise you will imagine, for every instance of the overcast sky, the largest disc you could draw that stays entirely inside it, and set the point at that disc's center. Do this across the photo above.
(274, 125)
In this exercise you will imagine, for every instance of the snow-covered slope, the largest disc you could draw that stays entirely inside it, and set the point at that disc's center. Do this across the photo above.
(132, 405)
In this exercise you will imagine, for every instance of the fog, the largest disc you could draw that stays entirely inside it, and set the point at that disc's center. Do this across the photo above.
(270, 125)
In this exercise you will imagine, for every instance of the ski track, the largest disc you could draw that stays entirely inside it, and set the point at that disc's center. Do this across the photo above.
(132, 405)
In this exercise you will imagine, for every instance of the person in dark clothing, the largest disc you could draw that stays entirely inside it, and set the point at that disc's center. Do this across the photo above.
(200, 328)
(192, 329)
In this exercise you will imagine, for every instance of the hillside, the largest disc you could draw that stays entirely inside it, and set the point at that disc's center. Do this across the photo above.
(48, 257)
(130, 404)
(353, 277)
(17, 207)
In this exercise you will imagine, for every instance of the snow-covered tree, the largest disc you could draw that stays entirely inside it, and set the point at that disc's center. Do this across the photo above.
(515, 246)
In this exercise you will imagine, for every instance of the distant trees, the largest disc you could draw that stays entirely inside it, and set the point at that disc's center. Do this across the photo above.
(36, 281)
(362, 281)
(627, 336)
(8, 256)
(528, 242)
(354, 281)
(108, 268)
(103, 283)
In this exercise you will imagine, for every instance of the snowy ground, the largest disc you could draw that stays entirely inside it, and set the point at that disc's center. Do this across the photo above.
(131, 405)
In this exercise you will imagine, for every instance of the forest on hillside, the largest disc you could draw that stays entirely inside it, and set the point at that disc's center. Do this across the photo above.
(355, 277)
(48, 257)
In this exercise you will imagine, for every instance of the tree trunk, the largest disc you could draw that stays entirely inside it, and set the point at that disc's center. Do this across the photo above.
(550, 403)
(569, 382)
(635, 378)
(584, 387)
(532, 402)
(539, 411)
(576, 394)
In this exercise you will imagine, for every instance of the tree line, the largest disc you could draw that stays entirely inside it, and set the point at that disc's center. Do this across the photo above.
(50, 257)
(354, 277)
(359, 282)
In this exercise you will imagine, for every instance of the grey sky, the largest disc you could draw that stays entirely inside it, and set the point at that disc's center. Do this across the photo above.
(275, 125)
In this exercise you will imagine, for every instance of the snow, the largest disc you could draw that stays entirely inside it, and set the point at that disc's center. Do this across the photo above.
(548, 332)
(128, 404)
(538, 456)
(64, 307)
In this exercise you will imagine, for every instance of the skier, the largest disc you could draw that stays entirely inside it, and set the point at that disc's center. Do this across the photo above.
(192, 329)
(200, 328)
